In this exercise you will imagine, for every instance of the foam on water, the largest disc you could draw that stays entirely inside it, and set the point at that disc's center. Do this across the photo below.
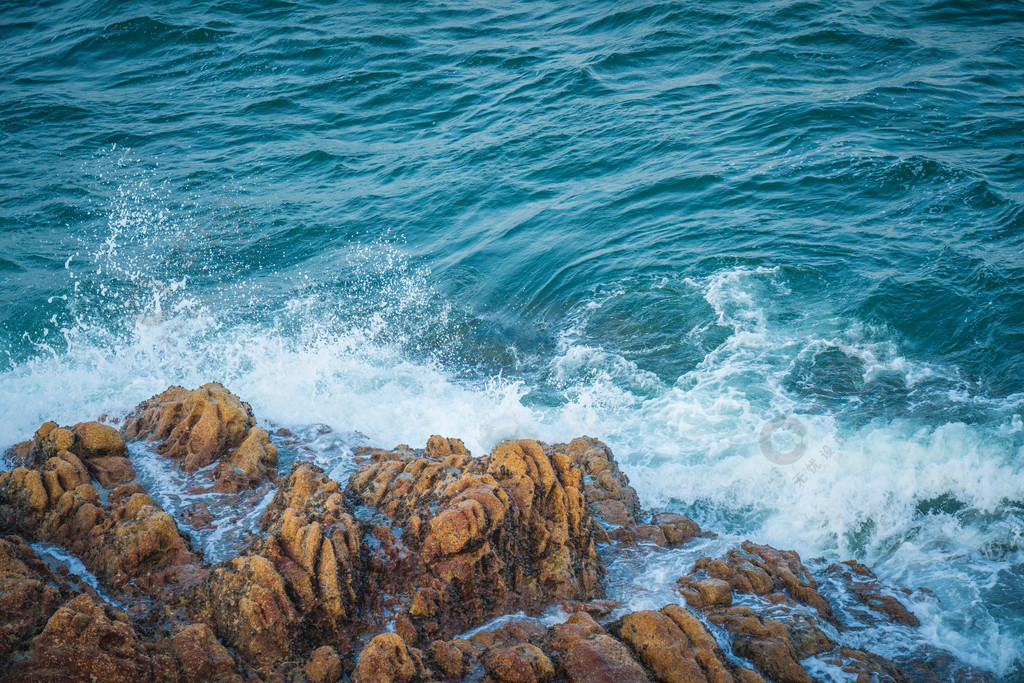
(553, 615)
(924, 502)
(308, 358)
(56, 556)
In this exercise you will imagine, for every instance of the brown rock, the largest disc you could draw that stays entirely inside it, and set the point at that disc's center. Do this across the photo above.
(83, 642)
(251, 609)
(602, 659)
(29, 594)
(84, 441)
(765, 642)
(447, 660)
(469, 539)
(406, 629)
(97, 440)
(198, 516)
(674, 646)
(701, 593)
(54, 440)
(612, 501)
(599, 609)
(110, 471)
(296, 588)
(21, 454)
(251, 464)
(761, 569)
(324, 666)
(204, 426)
(579, 626)
(388, 658)
(518, 664)
(610, 498)
(124, 540)
(868, 590)
(439, 447)
(195, 427)
(192, 654)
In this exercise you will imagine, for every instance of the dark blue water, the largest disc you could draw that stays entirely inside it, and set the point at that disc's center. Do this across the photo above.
(662, 224)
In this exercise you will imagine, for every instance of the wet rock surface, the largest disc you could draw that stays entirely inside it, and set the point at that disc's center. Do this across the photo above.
(615, 504)
(127, 539)
(475, 537)
(381, 577)
(790, 620)
(204, 426)
(298, 587)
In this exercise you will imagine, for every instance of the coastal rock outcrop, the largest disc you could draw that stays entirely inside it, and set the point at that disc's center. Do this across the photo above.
(388, 658)
(758, 570)
(86, 640)
(30, 592)
(615, 504)
(668, 645)
(96, 446)
(457, 540)
(128, 538)
(373, 579)
(297, 587)
(202, 426)
(54, 626)
(434, 541)
(791, 620)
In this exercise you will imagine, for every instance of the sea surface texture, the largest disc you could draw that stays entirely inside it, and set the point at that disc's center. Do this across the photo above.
(717, 235)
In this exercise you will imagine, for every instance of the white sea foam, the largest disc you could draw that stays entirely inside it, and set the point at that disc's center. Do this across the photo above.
(872, 491)
(55, 555)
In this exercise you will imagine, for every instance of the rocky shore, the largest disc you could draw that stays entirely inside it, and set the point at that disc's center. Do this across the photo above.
(389, 576)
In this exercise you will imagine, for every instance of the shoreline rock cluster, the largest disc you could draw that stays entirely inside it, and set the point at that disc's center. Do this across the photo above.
(374, 579)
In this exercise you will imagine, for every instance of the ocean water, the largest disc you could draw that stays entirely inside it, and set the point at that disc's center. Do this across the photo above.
(717, 235)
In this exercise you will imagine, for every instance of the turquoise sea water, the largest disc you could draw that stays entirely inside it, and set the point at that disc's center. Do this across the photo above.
(664, 224)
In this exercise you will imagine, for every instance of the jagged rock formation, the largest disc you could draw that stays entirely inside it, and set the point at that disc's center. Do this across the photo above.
(208, 424)
(476, 537)
(436, 542)
(55, 627)
(373, 579)
(794, 622)
(297, 585)
(87, 641)
(667, 645)
(96, 446)
(615, 504)
(129, 538)
(29, 594)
